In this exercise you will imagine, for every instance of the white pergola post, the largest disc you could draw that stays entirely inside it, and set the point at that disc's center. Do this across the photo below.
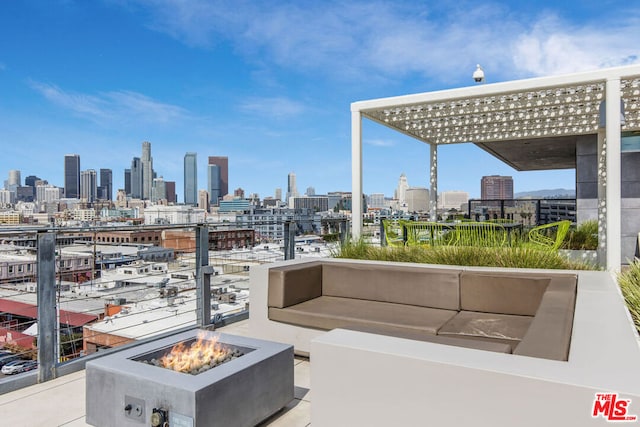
(433, 182)
(356, 174)
(613, 176)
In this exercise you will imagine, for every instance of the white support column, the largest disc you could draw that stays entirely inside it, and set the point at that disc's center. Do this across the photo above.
(602, 195)
(613, 175)
(356, 174)
(433, 182)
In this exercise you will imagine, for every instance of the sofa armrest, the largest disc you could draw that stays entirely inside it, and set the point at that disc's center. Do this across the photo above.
(293, 284)
(549, 336)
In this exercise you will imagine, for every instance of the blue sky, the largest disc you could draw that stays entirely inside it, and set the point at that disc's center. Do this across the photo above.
(269, 84)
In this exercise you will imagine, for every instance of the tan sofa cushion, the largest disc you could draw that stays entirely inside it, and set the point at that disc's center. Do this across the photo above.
(291, 284)
(427, 287)
(549, 335)
(504, 293)
(500, 327)
(335, 312)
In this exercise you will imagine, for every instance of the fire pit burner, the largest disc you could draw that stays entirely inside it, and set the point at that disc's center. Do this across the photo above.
(193, 356)
(126, 389)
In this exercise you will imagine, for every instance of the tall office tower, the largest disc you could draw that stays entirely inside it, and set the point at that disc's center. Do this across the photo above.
(89, 185)
(170, 191)
(72, 176)
(203, 200)
(14, 180)
(292, 190)
(127, 182)
(401, 191)
(136, 178)
(214, 184)
(158, 191)
(278, 195)
(30, 181)
(223, 164)
(238, 192)
(496, 187)
(191, 179)
(311, 191)
(147, 170)
(106, 182)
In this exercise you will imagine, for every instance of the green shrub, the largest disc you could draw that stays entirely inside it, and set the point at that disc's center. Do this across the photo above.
(513, 257)
(629, 281)
(584, 237)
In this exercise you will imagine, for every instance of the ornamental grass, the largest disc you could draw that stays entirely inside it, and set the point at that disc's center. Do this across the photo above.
(629, 281)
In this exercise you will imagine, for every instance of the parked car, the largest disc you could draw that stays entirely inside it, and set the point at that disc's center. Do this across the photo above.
(18, 366)
(4, 359)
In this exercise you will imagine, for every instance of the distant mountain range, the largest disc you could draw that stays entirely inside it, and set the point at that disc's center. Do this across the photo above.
(557, 193)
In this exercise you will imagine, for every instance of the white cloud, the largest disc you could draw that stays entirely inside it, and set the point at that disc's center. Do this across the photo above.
(276, 107)
(112, 107)
(552, 46)
(442, 41)
(380, 142)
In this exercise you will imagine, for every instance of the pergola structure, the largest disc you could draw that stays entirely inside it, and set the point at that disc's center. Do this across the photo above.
(531, 124)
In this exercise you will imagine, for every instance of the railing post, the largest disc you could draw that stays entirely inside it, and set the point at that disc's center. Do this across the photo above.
(203, 277)
(47, 319)
(289, 240)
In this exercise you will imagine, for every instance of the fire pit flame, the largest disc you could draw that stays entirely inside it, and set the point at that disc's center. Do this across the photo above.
(199, 356)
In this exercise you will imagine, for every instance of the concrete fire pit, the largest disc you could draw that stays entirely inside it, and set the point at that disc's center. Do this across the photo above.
(128, 389)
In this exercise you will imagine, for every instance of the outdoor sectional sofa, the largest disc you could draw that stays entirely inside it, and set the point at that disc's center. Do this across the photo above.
(527, 314)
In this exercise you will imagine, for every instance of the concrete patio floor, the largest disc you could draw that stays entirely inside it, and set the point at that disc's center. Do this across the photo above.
(61, 402)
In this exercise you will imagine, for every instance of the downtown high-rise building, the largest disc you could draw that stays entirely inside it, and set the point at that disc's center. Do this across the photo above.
(203, 200)
(136, 178)
(292, 189)
(223, 165)
(278, 194)
(496, 187)
(401, 191)
(147, 170)
(89, 185)
(214, 184)
(127, 182)
(190, 179)
(170, 190)
(106, 184)
(159, 190)
(72, 176)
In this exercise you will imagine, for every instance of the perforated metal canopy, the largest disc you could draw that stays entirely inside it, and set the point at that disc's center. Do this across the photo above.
(530, 124)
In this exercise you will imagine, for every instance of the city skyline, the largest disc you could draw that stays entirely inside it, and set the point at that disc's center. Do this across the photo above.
(271, 88)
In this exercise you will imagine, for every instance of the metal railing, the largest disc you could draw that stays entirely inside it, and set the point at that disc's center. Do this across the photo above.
(531, 212)
(187, 278)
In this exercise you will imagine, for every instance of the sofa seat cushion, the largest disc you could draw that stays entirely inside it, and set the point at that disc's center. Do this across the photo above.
(328, 313)
(499, 327)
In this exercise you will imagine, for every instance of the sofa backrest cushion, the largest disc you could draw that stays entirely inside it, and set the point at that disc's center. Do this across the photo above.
(293, 284)
(502, 293)
(426, 287)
